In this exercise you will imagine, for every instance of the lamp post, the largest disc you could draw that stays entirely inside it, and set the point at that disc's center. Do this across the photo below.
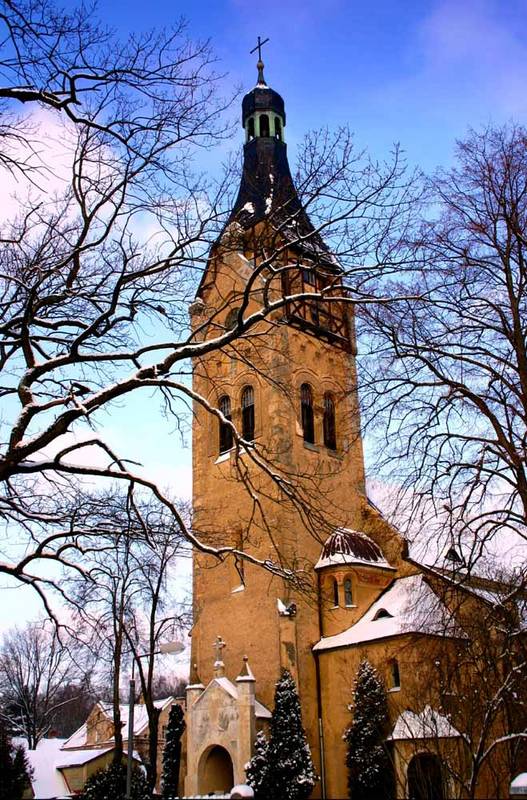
(165, 647)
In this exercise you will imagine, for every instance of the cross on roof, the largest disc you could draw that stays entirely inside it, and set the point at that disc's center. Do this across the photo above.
(259, 47)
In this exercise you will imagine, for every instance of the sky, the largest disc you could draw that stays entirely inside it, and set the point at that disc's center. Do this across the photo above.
(417, 72)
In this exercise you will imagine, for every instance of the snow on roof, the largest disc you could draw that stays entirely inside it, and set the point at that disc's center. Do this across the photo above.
(47, 781)
(228, 686)
(80, 736)
(346, 546)
(77, 739)
(428, 724)
(518, 785)
(408, 606)
(72, 758)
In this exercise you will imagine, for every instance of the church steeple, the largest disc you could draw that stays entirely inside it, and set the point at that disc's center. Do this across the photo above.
(267, 191)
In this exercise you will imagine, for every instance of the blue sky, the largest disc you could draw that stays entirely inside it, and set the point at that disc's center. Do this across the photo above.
(416, 72)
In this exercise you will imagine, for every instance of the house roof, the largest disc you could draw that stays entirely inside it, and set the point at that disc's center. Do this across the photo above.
(347, 546)
(428, 724)
(79, 738)
(408, 606)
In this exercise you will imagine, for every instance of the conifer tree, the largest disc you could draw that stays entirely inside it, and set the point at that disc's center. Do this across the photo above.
(15, 772)
(370, 772)
(257, 769)
(110, 784)
(172, 751)
(291, 775)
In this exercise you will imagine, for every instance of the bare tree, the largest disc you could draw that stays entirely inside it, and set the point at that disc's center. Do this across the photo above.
(446, 383)
(126, 608)
(34, 666)
(81, 283)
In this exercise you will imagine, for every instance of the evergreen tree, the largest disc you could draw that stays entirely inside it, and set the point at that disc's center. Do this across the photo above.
(172, 751)
(110, 784)
(291, 775)
(15, 772)
(257, 769)
(370, 772)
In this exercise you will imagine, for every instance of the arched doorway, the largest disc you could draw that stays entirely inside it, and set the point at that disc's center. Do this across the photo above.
(215, 773)
(425, 778)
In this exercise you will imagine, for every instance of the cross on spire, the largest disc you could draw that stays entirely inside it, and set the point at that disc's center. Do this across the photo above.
(260, 64)
(259, 47)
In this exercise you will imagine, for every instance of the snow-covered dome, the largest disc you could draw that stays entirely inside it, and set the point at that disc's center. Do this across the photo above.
(346, 546)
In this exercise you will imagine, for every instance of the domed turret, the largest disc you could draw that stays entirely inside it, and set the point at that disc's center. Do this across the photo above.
(263, 111)
(346, 546)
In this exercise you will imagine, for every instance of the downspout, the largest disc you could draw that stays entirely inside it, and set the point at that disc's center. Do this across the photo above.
(319, 698)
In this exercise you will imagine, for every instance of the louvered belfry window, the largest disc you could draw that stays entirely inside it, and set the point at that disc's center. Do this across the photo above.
(248, 413)
(225, 430)
(308, 422)
(330, 430)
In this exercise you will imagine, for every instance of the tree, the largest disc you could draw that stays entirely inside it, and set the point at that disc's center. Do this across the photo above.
(82, 282)
(447, 381)
(14, 768)
(290, 772)
(126, 608)
(257, 769)
(172, 751)
(35, 664)
(370, 772)
(111, 783)
(477, 683)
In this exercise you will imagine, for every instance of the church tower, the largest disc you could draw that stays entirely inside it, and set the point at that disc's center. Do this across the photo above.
(288, 386)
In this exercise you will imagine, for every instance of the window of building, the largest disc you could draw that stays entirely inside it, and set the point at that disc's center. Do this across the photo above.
(335, 592)
(264, 125)
(250, 128)
(395, 677)
(382, 614)
(348, 593)
(308, 421)
(248, 413)
(330, 430)
(225, 429)
(278, 129)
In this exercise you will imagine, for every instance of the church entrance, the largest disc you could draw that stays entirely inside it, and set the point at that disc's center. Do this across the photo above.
(425, 779)
(215, 773)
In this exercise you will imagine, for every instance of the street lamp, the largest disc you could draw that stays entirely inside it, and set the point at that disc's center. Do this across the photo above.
(166, 647)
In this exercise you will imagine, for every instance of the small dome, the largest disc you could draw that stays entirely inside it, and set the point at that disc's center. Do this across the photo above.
(345, 546)
(262, 98)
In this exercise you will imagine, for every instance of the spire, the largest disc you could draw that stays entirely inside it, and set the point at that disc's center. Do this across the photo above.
(260, 64)
(246, 673)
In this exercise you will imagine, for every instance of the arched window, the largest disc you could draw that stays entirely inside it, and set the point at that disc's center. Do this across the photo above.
(348, 593)
(395, 677)
(382, 614)
(248, 413)
(335, 592)
(225, 430)
(308, 422)
(250, 128)
(330, 431)
(264, 125)
(278, 129)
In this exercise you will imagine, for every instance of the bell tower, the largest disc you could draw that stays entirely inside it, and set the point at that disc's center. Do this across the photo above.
(287, 386)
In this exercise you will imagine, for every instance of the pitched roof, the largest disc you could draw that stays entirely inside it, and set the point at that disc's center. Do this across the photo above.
(408, 606)
(428, 724)
(228, 686)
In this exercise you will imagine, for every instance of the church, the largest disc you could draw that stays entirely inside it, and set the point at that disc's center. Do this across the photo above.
(319, 580)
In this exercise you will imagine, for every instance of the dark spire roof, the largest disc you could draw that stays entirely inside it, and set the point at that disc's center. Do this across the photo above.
(267, 190)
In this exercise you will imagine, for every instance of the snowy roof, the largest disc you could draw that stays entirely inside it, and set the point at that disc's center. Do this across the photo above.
(428, 724)
(346, 546)
(47, 781)
(73, 758)
(408, 606)
(79, 738)
(228, 686)
(518, 785)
